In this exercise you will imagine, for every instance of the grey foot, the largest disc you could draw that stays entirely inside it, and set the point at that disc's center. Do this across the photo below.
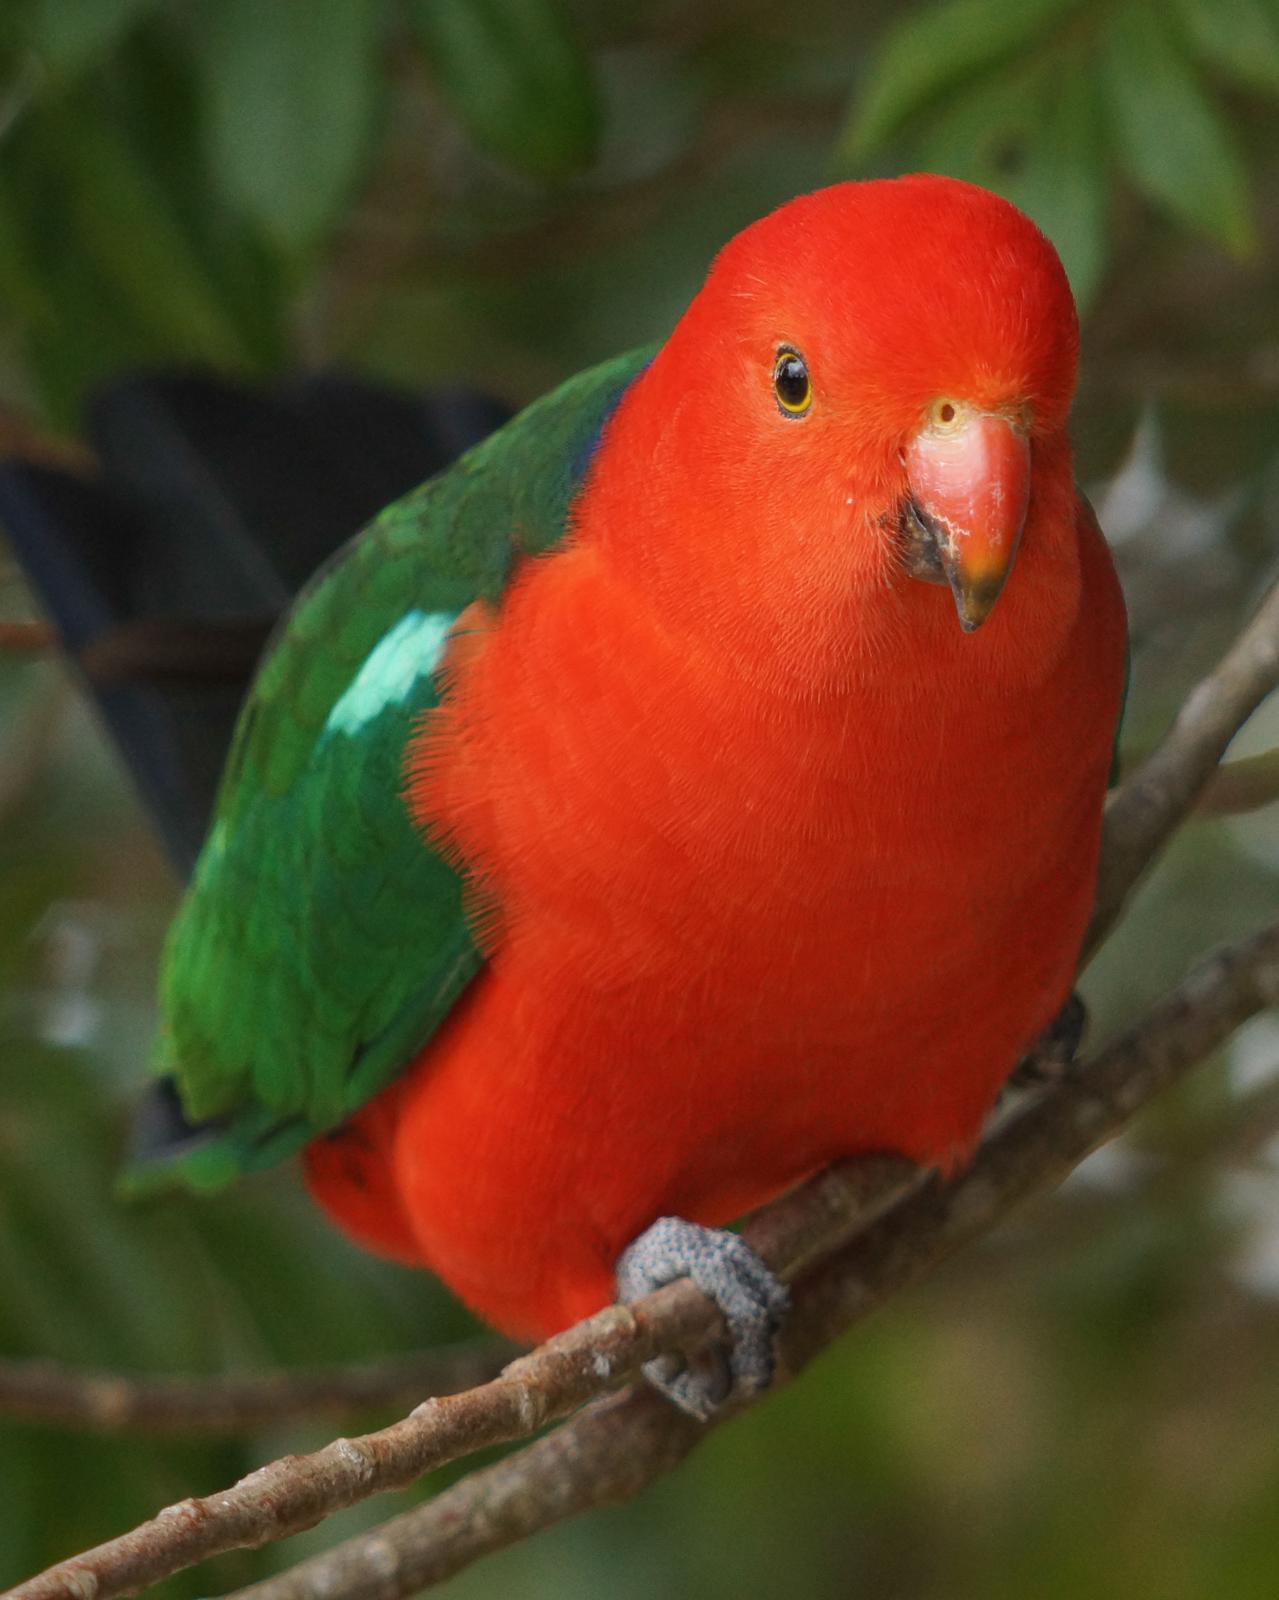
(1055, 1051)
(751, 1300)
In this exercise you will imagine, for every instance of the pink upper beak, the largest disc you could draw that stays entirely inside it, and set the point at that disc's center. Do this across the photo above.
(970, 485)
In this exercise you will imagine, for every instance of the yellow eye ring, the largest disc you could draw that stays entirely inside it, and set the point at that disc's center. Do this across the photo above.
(944, 414)
(791, 384)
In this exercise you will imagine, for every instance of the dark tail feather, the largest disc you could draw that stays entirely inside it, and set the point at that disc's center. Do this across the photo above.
(212, 504)
(166, 1151)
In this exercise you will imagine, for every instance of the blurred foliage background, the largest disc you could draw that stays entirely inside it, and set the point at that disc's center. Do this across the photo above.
(499, 192)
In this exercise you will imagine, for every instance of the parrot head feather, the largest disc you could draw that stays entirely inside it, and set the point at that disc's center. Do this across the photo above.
(864, 406)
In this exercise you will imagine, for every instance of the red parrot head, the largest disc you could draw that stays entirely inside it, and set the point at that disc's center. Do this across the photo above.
(871, 389)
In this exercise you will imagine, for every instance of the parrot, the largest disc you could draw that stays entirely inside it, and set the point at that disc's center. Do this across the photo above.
(697, 782)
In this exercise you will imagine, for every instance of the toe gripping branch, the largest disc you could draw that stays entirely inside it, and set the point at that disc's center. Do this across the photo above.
(751, 1299)
(1054, 1053)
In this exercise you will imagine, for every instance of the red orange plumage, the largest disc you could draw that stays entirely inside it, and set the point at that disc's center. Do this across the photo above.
(774, 861)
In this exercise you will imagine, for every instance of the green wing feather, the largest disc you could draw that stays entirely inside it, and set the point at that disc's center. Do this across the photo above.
(322, 941)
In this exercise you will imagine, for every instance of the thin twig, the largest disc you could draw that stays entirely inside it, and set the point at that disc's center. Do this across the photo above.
(114, 1402)
(1246, 784)
(577, 1366)
(29, 747)
(1147, 808)
(1236, 787)
(613, 1450)
(22, 439)
(606, 1455)
(27, 638)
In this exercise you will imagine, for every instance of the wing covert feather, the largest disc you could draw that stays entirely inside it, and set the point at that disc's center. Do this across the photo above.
(322, 941)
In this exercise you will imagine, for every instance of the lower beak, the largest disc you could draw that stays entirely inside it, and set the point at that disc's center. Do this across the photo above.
(969, 489)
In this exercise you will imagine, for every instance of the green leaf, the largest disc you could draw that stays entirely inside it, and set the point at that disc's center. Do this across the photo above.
(1034, 136)
(121, 222)
(69, 35)
(1240, 37)
(289, 98)
(23, 290)
(156, 95)
(1169, 136)
(517, 78)
(981, 135)
(110, 254)
(1063, 185)
(937, 50)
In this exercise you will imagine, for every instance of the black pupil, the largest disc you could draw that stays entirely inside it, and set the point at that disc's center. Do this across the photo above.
(792, 381)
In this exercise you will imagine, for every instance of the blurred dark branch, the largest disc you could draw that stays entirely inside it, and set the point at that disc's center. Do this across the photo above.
(616, 1448)
(1237, 787)
(1147, 808)
(114, 1402)
(30, 743)
(21, 439)
(190, 650)
(1243, 1135)
(154, 650)
(27, 638)
(1243, 785)
(861, 1229)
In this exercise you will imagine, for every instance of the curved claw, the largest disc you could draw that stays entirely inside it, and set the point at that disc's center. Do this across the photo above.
(1053, 1054)
(751, 1300)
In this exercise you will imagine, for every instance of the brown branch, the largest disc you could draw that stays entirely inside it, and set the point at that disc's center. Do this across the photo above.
(1147, 808)
(44, 1391)
(577, 1366)
(27, 638)
(28, 749)
(296, 1492)
(22, 439)
(613, 1450)
(606, 1455)
(182, 650)
(1243, 785)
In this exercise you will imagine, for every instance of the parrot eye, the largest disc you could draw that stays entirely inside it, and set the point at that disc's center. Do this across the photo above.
(943, 414)
(791, 383)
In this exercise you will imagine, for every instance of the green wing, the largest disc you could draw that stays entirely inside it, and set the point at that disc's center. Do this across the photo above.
(321, 941)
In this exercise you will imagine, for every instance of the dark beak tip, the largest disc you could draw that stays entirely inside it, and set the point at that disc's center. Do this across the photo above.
(975, 604)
